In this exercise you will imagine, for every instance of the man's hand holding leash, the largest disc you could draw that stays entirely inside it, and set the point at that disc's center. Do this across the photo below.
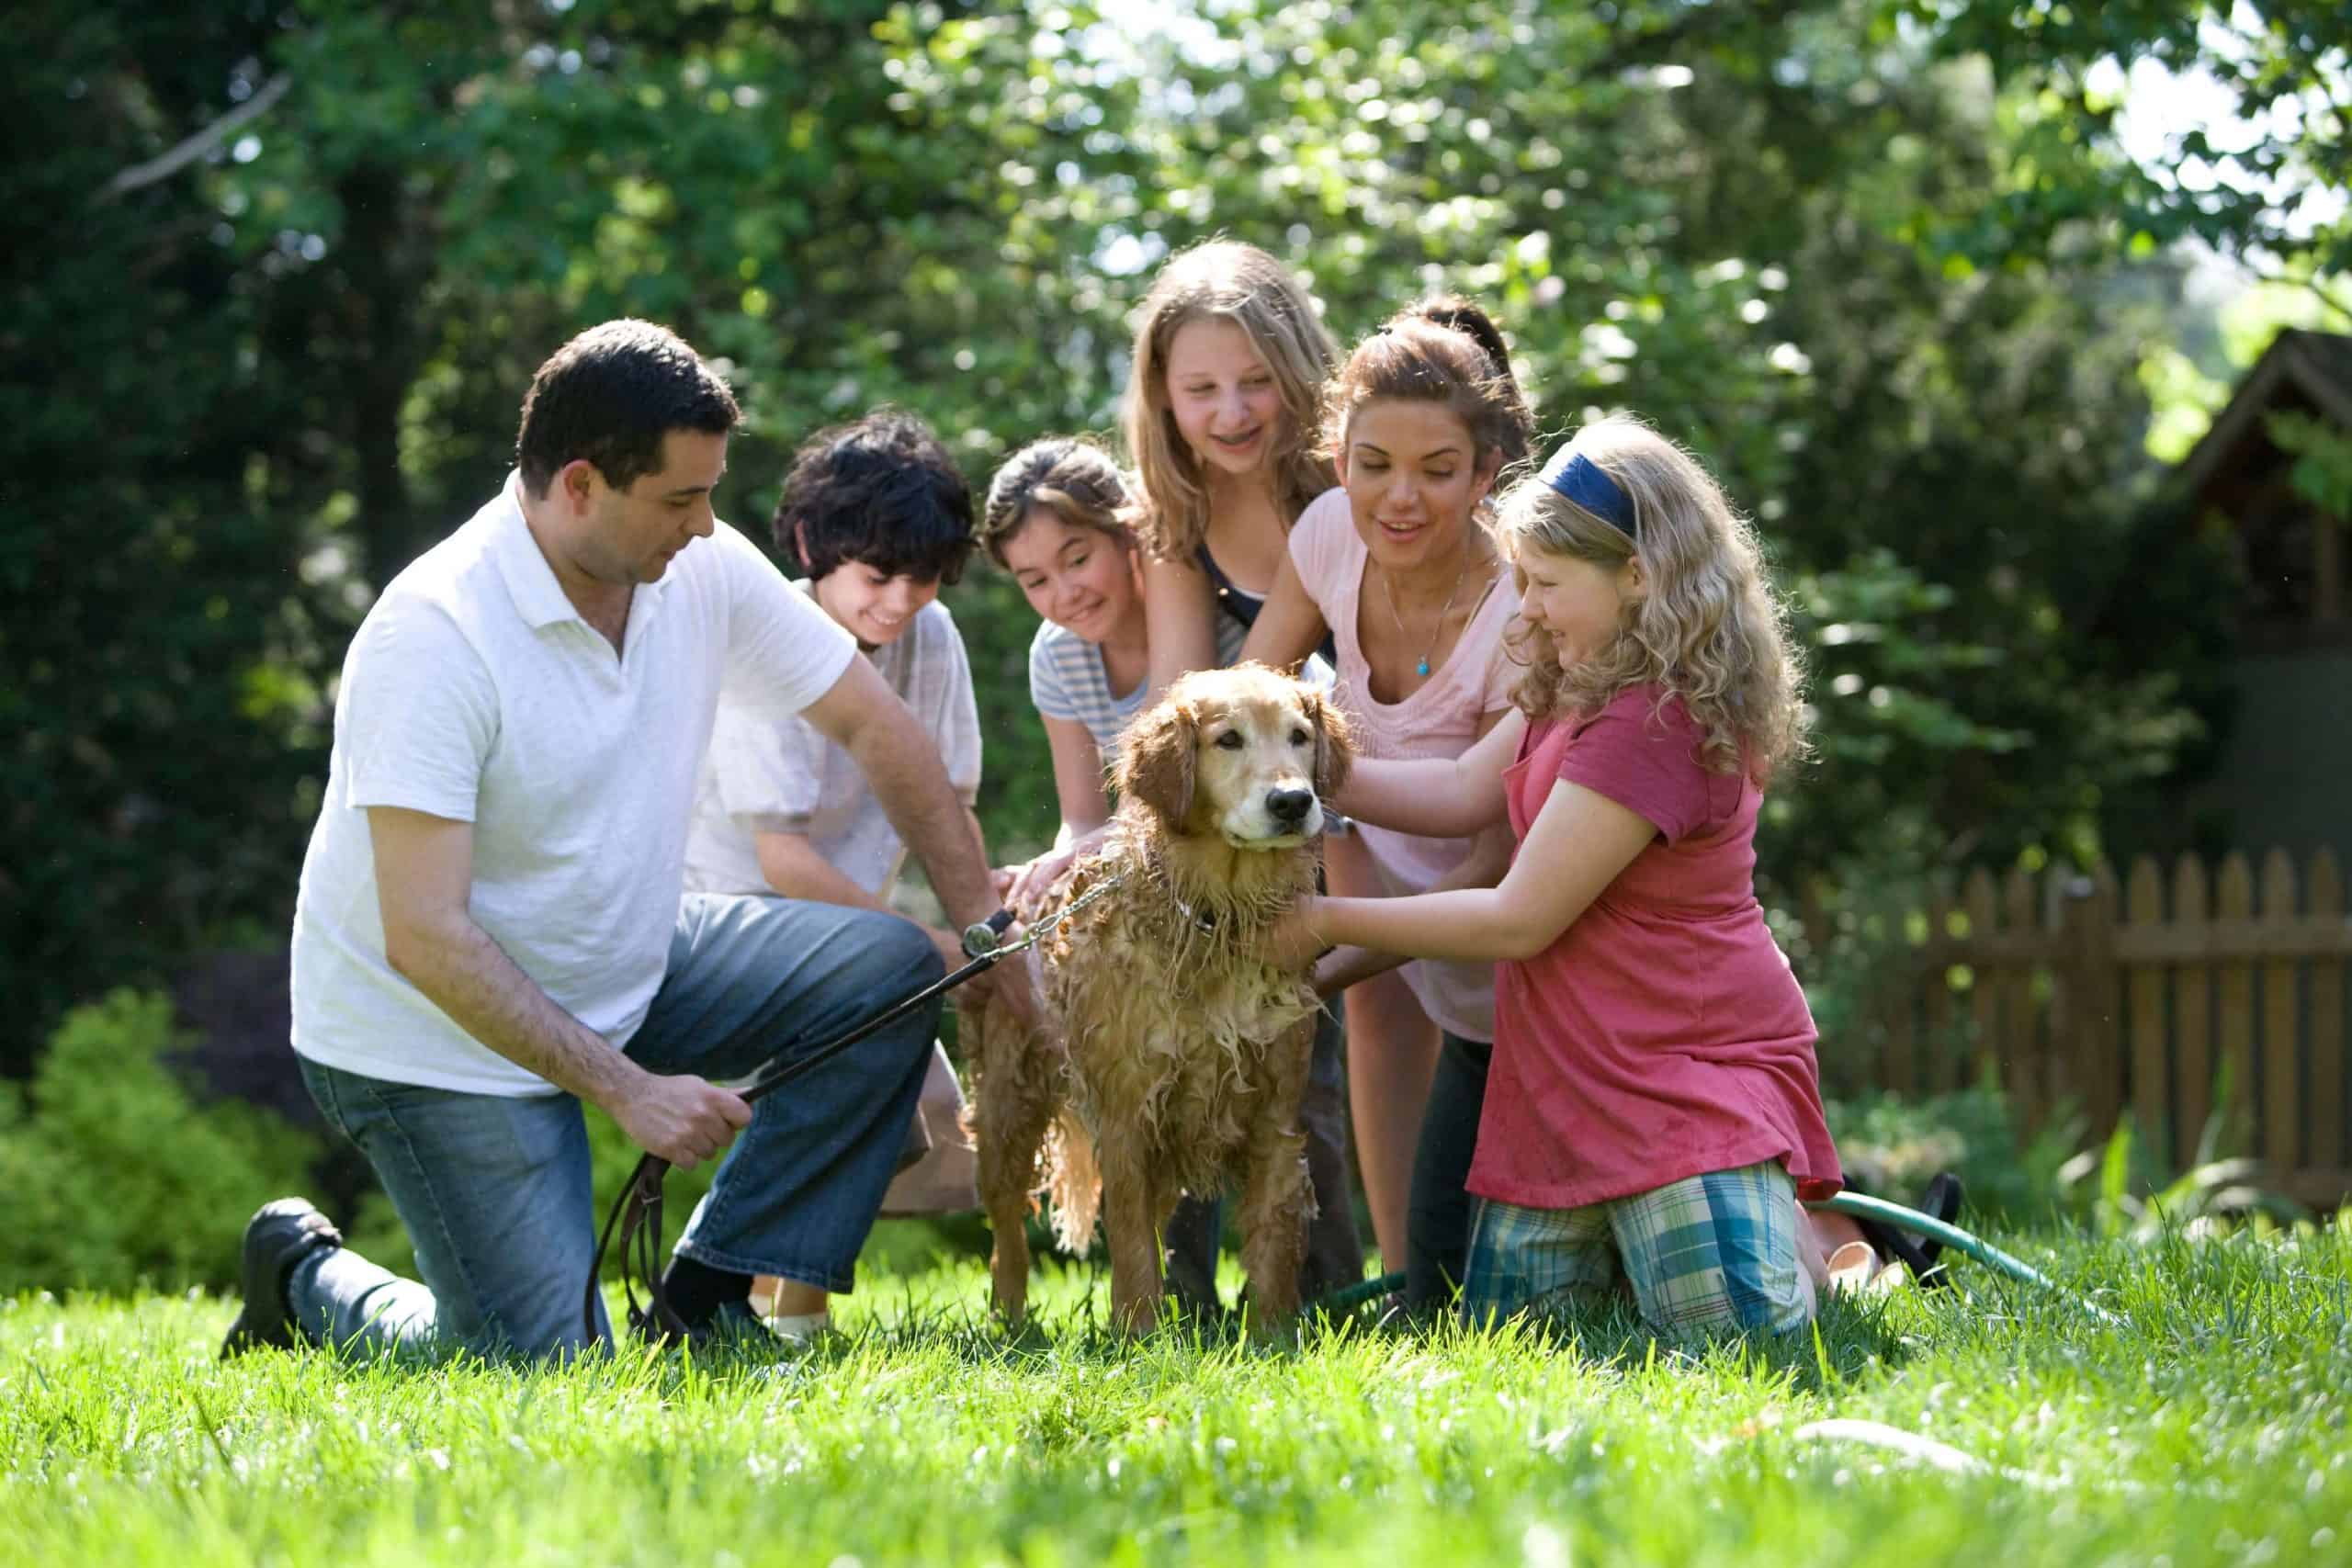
(683, 1118)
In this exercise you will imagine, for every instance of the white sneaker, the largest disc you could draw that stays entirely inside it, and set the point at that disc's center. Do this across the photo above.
(800, 1328)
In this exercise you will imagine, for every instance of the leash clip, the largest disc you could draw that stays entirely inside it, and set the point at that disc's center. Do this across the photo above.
(981, 938)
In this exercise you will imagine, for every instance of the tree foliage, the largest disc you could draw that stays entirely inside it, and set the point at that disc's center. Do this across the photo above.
(1833, 244)
(2267, 191)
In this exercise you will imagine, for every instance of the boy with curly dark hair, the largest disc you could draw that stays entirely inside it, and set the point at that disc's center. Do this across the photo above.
(879, 517)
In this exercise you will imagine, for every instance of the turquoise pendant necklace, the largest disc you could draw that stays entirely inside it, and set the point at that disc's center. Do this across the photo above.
(1422, 668)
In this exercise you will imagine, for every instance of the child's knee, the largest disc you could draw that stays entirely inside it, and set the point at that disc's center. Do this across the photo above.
(1520, 1257)
(1722, 1251)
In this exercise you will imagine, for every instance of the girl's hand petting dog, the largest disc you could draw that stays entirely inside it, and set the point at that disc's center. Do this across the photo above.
(1293, 942)
(1019, 886)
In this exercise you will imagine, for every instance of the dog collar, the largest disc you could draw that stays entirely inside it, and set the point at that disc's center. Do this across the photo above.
(1203, 920)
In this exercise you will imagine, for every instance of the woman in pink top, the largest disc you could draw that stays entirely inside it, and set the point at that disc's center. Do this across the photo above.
(1653, 1114)
(1395, 570)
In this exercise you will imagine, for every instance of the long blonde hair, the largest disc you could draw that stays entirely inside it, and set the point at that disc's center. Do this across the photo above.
(1709, 629)
(1223, 280)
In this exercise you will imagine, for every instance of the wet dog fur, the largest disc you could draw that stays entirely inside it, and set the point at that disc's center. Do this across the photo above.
(1177, 1057)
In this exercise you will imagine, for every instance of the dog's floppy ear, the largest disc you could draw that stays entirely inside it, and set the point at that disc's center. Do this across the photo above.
(1335, 744)
(1156, 760)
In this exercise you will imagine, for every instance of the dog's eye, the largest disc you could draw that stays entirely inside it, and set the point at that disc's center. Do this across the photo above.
(1299, 737)
(1230, 740)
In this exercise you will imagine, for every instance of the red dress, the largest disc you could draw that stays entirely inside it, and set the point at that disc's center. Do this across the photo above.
(1662, 1034)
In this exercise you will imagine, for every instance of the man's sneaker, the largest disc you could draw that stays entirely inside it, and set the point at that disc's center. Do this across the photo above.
(280, 1234)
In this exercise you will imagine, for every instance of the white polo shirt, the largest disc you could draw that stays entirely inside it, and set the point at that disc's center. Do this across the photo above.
(474, 691)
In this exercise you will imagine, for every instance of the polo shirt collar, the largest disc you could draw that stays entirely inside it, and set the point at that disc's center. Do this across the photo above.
(538, 597)
(529, 578)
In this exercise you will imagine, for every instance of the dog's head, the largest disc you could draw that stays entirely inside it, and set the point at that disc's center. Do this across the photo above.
(1244, 753)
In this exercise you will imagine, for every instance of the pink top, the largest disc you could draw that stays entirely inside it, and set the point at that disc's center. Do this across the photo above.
(1440, 719)
(1662, 1035)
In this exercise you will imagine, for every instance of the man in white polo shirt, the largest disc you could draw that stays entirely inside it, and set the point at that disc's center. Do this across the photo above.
(490, 927)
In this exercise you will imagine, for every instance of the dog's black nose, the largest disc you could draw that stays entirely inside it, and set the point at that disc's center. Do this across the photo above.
(1289, 805)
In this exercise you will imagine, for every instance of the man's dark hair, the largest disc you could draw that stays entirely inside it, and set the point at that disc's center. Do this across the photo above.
(610, 395)
(881, 491)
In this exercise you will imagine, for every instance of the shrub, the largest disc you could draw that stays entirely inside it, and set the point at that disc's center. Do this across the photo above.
(117, 1177)
(121, 1179)
(1895, 1145)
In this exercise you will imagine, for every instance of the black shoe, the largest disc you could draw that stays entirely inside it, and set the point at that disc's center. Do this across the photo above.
(1943, 1202)
(732, 1327)
(280, 1234)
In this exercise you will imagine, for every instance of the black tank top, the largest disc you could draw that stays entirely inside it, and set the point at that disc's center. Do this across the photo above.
(1244, 606)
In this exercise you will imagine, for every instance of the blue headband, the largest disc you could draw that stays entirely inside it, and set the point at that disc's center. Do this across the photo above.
(1581, 480)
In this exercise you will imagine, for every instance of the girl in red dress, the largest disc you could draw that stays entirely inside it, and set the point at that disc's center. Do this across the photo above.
(1654, 1112)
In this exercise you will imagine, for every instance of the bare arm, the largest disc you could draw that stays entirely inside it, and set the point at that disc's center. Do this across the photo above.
(1579, 842)
(1085, 805)
(902, 765)
(1438, 799)
(1077, 776)
(794, 868)
(1488, 860)
(423, 885)
(1289, 626)
(1180, 617)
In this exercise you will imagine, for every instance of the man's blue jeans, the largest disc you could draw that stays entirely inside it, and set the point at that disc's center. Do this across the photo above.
(495, 1193)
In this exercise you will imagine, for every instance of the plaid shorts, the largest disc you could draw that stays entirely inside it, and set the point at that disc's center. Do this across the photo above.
(1712, 1251)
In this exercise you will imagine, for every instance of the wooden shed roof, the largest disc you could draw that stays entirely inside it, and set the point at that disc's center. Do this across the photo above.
(2300, 369)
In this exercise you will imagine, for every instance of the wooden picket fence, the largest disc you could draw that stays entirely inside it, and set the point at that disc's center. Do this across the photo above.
(2145, 998)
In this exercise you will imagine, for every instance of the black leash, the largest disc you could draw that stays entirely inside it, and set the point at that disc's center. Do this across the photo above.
(635, 1214)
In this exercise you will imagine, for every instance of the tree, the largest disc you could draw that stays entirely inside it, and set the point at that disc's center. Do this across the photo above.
(157, 640)
(317, 250)
(2267, 193)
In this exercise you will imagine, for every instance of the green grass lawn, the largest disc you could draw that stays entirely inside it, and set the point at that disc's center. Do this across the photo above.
(2209, 1427)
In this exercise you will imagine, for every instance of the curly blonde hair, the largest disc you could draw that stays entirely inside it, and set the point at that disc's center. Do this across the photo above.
(1709, 629)
(1223, 280)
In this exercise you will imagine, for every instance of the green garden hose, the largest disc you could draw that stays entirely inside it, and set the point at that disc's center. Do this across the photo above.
(1355, 1296)
(1861, 1205)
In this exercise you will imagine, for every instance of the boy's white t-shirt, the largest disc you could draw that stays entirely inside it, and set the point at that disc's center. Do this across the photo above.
(768, 775)
(474, 691)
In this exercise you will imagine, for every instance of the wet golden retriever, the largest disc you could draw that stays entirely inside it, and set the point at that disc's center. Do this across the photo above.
(1178, 1054)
